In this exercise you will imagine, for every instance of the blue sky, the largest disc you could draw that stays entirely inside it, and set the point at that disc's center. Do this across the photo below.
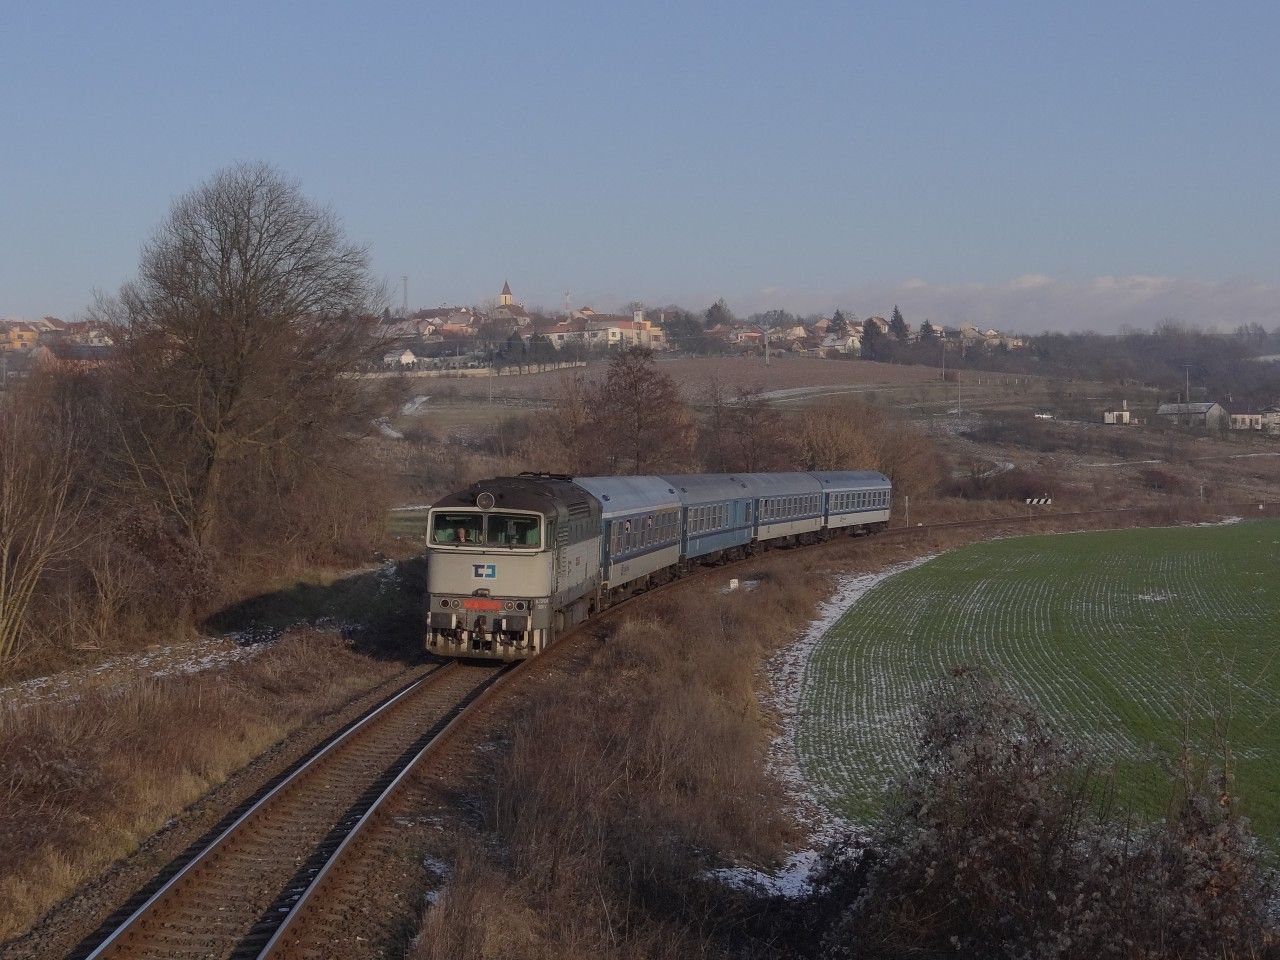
(1016, 163)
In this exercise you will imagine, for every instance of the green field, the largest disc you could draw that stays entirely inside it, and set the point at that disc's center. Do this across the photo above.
(1117, 636)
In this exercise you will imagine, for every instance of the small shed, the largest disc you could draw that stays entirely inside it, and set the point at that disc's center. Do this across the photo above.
(1205, 415)
(1118, 417)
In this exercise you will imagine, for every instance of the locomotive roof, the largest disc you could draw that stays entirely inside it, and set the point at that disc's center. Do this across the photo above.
(552, 496)
(849, 479)
(622, 495)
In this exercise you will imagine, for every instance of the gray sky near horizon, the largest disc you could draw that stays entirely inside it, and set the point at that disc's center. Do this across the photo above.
(1078, 165)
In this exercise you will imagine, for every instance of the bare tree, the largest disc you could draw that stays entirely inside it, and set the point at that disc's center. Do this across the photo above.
(237, 338)
(758, 434)
(641, 423)
(38, 510)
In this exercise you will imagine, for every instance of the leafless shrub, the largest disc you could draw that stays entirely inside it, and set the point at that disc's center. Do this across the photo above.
(849, 433)
(1162, 480)
(39, 508)
(986, 482)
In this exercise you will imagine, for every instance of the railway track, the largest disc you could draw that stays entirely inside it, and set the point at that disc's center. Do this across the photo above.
(261, 887)
(231, 895)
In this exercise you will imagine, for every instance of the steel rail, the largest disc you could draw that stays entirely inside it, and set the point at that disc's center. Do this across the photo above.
(277, 945)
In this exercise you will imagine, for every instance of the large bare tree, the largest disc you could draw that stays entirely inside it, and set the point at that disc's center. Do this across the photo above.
(249, 312)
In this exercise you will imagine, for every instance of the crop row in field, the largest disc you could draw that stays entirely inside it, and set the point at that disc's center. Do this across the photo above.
(1122, 638)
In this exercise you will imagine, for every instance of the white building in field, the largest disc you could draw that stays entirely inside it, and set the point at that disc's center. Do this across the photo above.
(1119, 417)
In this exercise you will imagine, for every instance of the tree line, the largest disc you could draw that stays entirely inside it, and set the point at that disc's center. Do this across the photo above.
(635, 420)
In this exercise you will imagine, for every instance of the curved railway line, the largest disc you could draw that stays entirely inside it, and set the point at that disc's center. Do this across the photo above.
(229, 896)
(251, 888)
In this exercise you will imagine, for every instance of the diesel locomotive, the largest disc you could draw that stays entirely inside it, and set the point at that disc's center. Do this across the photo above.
(513, 562)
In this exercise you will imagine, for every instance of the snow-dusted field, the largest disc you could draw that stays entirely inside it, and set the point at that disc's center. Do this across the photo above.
(1116, 635)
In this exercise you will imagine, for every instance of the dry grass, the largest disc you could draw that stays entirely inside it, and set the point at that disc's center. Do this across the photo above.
(621, 789)
(85, 779)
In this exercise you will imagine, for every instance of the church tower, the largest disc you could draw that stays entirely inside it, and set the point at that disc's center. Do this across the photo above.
(506, 300)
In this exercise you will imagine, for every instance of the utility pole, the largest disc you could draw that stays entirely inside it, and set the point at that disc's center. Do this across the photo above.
(404, 303)
(1187, 367)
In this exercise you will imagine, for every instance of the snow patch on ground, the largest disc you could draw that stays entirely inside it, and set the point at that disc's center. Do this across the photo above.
(387, 430)
(792, 880)
(415, 405)
(787, 669)
(166, 661)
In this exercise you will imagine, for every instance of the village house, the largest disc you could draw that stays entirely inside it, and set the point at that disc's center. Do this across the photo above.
(850, 342)
(602, 330)
(1265, 420)
(18, 335)
(400, 358)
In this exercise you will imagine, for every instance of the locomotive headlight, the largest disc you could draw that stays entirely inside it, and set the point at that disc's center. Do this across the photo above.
(519, 604)
(510, 605)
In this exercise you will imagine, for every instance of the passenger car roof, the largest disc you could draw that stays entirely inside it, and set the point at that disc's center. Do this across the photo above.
(849, 479)
(702, 487)
(623, 495)
(781, 484)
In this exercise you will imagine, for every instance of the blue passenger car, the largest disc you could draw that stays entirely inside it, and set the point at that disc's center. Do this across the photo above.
(854, 498)
(786, 504)
(641, 527)
(718, 513)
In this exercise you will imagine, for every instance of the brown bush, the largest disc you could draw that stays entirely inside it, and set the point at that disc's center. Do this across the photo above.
(1018, 484)
(1001, 843)
(1162, 480)
(850, 433)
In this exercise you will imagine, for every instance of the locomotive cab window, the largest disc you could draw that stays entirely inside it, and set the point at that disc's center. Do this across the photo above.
(457, 528)
(513, 530)
(487, 530)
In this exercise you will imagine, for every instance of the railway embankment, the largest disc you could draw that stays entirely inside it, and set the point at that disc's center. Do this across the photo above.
(112, 770)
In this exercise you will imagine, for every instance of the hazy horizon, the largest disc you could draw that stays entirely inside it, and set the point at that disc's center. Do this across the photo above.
(1028, 167)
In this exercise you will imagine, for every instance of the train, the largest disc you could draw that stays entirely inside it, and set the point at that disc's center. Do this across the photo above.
(514, 562)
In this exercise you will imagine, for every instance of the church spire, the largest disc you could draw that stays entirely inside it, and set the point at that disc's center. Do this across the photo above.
(506, 294)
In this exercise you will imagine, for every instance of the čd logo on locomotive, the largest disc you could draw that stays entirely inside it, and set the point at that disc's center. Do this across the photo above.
(484, 571)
